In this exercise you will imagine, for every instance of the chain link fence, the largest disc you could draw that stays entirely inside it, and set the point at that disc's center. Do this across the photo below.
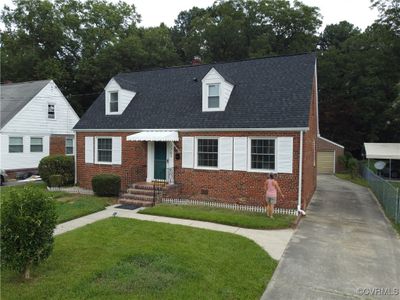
(387, 194)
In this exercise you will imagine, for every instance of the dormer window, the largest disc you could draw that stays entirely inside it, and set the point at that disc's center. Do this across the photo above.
(213, 95)
(113, 102)
(216, 91)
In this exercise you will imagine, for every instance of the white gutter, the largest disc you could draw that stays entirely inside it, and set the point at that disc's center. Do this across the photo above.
(299, 210)
(195, 129)
(75, 160)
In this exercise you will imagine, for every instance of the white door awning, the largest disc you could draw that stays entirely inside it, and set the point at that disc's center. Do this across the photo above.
(154, 136)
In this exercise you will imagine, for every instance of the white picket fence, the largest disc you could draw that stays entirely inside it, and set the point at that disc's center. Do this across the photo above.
(71, 189)
(250, 208)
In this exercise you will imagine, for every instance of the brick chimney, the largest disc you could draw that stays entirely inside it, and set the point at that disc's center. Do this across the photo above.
(196, 60)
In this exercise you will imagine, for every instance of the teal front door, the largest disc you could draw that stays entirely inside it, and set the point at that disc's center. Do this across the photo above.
(160, 160)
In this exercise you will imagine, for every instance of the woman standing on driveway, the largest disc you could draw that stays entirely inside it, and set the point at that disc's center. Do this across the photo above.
(271, 187)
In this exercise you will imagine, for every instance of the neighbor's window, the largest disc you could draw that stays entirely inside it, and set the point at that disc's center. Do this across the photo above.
(69, 145)
(51, 111)
(15, 144)
(207, 153)
(263, 154)
(213, 96)
(114, 102)
(36, 144)
(104, 150)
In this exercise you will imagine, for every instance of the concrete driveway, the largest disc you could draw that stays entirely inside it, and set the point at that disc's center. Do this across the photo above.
(343, 249)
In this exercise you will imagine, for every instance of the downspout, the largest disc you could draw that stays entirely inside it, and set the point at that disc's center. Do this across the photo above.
(299, 210)
(75, 159)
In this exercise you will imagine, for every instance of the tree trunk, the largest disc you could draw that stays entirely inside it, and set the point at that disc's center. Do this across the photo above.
(27, 272)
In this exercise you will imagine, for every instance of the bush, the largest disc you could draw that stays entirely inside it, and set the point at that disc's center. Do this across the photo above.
(56, 180)
(28, 218)
(56, 165)
(353, 167)
(344, 159)
(106, 184)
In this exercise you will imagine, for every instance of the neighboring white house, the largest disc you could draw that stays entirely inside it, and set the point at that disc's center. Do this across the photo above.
(36, 120)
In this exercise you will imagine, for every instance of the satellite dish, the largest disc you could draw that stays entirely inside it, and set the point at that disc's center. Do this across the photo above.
(379, 165)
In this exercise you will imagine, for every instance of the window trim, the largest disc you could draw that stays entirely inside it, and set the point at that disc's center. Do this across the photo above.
(196, 157)
(15, 136)
(30, 144)
(73, 148)
(219, 96)
(109, 102)
(55, 115)
(249, 168)
(96, 153)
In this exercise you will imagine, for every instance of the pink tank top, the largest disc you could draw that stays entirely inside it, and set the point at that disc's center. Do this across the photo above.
(271, 190)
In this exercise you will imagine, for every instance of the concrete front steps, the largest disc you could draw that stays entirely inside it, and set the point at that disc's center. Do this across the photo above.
(141, 194)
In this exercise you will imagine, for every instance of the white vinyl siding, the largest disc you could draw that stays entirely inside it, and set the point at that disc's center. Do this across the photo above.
(225, 153)
(187, 152)
(210, 82)
(285, 155)
(36, 144)
(240, 154)
(15, 144)
(89, 150)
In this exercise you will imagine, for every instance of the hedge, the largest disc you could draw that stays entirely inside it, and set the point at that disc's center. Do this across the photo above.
(57, 165)
(106, 184)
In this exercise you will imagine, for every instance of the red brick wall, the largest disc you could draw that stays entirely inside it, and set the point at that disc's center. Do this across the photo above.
(309, 178)
(132, 169)
(237, 186)
(57, 144)
(323, 145)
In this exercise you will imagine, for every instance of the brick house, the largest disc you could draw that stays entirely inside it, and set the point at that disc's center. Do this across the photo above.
(36, 120)
(213, 131)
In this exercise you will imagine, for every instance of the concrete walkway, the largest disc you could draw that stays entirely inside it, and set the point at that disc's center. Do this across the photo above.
(272, 241)
(343, 249)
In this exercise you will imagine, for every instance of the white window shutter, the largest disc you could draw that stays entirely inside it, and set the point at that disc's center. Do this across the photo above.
(225, 146)
(285, 155)
(116, 150)
(88, 149)
(240, 154)
(187, 152)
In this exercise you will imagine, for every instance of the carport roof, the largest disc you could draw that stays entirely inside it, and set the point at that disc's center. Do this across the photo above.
(382, 150)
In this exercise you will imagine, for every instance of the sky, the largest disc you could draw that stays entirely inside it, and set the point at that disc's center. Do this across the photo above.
(154, 12)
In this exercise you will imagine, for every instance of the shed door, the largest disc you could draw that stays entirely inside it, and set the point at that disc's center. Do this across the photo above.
(326, 162)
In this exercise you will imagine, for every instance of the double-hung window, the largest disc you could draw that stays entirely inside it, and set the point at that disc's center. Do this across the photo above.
(213, 95)
(36, 144)
(207, 153)
(69, 145)
(15, 144)
(104, 150)
(262, 154)
(113, 101)
(51, 111)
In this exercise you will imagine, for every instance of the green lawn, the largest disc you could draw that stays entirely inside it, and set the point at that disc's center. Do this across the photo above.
(69, 206)
(121, 258)
(221, 216)
(358, 180)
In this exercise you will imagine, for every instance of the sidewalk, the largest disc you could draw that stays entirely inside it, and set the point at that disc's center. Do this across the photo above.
(272, 241)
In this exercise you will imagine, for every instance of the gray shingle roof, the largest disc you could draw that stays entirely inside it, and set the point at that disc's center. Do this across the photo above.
(272, 92)
(15, 96)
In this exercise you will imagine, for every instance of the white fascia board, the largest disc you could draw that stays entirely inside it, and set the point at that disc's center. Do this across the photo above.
(194, 129)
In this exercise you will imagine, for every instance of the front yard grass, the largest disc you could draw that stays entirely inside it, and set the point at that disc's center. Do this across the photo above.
(121, 258)
(68, 206)
(221, 216)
